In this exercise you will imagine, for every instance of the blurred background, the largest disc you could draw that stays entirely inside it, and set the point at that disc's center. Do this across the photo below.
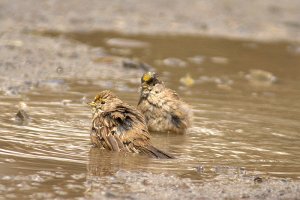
(235, 62)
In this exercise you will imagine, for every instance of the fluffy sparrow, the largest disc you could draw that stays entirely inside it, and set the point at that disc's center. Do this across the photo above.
(164, 111)
(117, 126)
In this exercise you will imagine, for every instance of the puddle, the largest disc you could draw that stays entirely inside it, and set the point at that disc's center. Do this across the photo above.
(238, 124)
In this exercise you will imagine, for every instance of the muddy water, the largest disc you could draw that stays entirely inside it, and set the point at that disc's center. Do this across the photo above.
(245, 96)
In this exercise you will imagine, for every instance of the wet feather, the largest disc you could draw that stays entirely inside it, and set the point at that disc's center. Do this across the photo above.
(121, 127)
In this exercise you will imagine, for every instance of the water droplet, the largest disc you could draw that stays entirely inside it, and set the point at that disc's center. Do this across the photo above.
(59, 70)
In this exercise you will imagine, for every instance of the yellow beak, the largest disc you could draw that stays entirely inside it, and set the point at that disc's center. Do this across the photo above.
(92, 104)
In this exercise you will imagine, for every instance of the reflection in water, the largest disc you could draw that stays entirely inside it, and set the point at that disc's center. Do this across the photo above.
(238, 126)
(104, 163)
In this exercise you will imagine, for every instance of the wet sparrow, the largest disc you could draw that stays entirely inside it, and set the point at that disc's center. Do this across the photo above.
(117, 126)
(164, 111)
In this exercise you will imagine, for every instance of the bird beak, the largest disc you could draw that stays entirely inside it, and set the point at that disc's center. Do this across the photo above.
(92, 104)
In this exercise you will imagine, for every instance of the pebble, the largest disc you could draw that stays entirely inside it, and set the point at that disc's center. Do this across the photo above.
(260, 77)
(21, 116)
(136, 64)
(219, 60)
(130, 43)
(172, 62)
(187, 80)
(196, 59)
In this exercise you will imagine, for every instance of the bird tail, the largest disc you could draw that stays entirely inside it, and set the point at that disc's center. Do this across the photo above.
(155, 153)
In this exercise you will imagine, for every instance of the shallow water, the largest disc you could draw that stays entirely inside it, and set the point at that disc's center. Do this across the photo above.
(245, 97)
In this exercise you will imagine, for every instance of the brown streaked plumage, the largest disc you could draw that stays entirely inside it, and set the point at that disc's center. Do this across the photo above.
(117, 126)
(164, 111)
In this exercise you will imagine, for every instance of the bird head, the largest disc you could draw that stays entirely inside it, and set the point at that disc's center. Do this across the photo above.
(104, 101)
(149, 79)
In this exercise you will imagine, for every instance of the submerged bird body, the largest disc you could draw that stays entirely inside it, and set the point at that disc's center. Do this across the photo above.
(164, 111)
(118, 126)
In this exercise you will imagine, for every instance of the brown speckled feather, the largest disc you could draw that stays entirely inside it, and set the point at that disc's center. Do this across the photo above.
(164, 111)
(117, 126)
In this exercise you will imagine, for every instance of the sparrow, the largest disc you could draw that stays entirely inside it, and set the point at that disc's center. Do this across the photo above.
(164, 111)
(117, 126)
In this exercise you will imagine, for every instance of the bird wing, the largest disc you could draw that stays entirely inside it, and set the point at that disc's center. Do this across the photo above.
(172, 94)
(178, 115)
(136, 137)
(130, 123)
(102, 133)
(121, 128)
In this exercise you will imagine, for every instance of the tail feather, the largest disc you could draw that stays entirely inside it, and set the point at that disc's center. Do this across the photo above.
(154, 152)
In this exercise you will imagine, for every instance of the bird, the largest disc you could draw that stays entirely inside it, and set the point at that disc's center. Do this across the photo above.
(117, 126)
(163, 109)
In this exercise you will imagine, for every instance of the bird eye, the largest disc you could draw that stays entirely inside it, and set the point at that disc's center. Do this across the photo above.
(102, 102)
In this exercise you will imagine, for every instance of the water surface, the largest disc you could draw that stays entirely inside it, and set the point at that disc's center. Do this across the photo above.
(245, 97)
